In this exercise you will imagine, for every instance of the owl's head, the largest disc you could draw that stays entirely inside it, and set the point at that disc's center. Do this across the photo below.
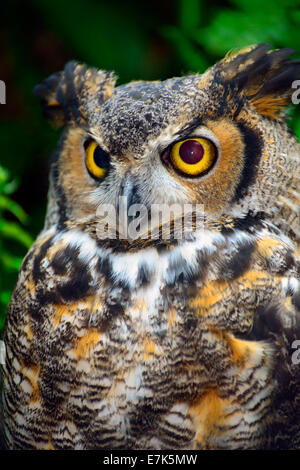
(217, 140)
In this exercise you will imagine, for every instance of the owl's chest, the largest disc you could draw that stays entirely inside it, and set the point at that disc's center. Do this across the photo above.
(132, 349)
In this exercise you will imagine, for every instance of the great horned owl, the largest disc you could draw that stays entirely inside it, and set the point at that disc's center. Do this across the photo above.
(154, 341)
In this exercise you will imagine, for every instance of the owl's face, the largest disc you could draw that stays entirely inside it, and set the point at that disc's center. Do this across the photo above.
(218, 140)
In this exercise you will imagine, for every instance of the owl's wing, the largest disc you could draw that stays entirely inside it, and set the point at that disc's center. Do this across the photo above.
(279, 324)
(252, 311)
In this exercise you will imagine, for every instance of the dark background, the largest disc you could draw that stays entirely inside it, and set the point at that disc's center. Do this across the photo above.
(139, 40)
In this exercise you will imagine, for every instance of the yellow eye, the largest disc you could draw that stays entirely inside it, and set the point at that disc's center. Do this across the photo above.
(97, 160)
(193, 156)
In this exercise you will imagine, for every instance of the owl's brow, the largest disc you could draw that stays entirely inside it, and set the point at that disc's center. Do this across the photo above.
(187, 129)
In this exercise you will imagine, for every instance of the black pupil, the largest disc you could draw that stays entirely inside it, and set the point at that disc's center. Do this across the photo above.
(101, 158)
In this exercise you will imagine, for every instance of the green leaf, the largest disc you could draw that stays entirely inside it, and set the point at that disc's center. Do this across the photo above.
(10, 187)
(4, 175)
(4, 301)
(10, 262)
(6, 186)
(191, 55)
(244, 30)
(5, 297)
(98, 33)
(257, 5)
(295, 15)
(13, 231)
(296, 126)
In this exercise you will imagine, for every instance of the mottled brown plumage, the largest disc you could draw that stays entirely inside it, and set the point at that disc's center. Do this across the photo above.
(163, 342)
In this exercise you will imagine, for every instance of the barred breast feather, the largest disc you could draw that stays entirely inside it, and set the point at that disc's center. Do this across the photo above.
(160, 349)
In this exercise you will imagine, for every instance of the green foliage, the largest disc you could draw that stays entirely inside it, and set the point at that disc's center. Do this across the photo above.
(207, 30)
(11, 232)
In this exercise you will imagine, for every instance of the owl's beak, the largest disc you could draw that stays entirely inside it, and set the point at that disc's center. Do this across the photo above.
(128, 195)
(129, 189)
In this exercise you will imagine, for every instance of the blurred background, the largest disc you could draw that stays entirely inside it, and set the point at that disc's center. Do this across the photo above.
(150, 40)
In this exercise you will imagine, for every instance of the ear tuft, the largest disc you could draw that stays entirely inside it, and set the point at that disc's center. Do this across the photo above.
(47, 92)
(264, 76)
(65, 95)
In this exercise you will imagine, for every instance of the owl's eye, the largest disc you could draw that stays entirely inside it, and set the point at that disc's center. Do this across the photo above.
(194, 156)
(96, 159)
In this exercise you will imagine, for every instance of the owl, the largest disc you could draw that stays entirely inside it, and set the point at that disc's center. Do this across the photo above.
(132, 326)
